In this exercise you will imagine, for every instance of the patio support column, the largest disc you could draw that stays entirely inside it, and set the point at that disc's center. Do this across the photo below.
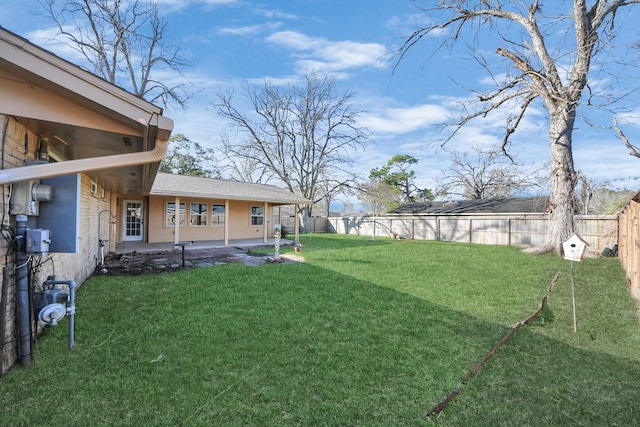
(265, 224)
(176, 222)
(226, 222)
(296, 222)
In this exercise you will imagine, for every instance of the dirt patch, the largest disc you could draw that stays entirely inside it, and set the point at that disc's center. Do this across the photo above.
(134, 264)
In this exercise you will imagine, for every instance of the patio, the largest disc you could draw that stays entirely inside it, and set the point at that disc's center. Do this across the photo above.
(135, 258)
(144, 247)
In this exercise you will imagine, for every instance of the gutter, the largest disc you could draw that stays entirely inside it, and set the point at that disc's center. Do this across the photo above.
(49, 170)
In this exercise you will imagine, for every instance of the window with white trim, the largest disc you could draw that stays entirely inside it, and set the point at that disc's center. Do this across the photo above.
(171, 214)
(257, 215)
(198, 214)
(217, 214)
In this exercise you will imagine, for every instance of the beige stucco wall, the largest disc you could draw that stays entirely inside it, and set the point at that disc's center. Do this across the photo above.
(19, 144)
(239, 221)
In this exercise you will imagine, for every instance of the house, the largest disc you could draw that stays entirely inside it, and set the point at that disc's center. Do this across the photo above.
(79, 175)
(188, 208)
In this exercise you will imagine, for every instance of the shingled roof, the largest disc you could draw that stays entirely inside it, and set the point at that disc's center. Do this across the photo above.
(193, 186)
(509, 205)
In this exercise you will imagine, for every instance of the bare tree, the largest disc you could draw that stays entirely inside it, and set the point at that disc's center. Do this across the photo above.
(303, 136)
(242, 168)
(125, 42)
(541, 67)
(488, 174)
(331, 189)
(599, 198)
(379, 196)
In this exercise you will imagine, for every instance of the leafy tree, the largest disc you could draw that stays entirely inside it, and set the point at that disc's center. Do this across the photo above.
(396, 174)
(186, 157)
(125, 41)
(301, 135)
(488, 174)
(545, 56)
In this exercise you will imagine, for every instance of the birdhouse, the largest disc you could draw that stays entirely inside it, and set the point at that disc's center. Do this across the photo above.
(574, 247)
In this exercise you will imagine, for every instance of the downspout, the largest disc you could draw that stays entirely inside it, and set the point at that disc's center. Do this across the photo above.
(23, 308)
(48, 170)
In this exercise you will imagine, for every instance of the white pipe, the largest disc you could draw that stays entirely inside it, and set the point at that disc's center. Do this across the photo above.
(48, 170)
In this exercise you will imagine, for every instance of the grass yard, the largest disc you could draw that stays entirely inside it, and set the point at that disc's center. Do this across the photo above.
(367, 333)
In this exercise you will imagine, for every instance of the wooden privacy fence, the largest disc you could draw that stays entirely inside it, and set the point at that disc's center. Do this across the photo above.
(629, 245)
(492, 229)
(314, 224)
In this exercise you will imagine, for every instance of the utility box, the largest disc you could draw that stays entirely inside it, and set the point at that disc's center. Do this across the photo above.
(574, 247)
(62, 215)
(38, 241)
(26, 197)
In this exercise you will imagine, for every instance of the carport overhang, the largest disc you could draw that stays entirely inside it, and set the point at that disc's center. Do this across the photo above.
(90, 126)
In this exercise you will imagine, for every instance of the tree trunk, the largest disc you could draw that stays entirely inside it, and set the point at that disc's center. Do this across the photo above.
(304, 215)
(563, 180)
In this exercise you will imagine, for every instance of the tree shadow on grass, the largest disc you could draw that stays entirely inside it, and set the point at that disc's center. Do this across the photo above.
(301, 345)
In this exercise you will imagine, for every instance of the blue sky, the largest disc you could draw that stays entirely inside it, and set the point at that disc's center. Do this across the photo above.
(231, 42)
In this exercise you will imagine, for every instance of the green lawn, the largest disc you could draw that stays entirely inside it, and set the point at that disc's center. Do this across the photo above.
(362, 333)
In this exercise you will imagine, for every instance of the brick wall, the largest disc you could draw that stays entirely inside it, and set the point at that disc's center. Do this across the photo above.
(18, 145)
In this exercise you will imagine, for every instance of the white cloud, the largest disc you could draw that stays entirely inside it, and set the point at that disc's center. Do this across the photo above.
(329, 56)
(398, 120)
(50, 39)
(180, 4)
(268, 13)
(241, 31)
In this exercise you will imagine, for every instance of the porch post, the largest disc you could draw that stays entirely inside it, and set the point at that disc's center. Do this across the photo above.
(296, 222)
(176, 221)
(265, 224)
(226, 222)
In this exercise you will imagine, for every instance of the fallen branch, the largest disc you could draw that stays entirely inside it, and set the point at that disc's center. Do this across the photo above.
(452, 395)
(208, 402)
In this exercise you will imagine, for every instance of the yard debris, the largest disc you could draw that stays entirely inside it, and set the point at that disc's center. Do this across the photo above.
(158, 359)
(452, 395)
(137, 263)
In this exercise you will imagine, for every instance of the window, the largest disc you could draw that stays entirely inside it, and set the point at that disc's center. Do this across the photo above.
(217, 215)
(199, 213)
(257, 215)
(171, 214)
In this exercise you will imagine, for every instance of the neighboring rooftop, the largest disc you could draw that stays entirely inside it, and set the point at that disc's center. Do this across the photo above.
(509, 205)
(210, 188)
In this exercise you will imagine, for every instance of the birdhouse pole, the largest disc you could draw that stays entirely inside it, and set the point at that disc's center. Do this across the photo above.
(574, 248)
(573, 300)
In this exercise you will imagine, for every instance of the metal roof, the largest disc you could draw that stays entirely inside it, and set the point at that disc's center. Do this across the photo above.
(210, 188)
(496, 206)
